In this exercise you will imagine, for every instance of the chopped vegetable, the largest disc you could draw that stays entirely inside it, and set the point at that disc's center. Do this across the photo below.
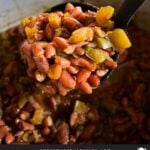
(103, 43)
(80, 107)
(119, 39)
(22, 101)
(40, 76)
(97, 55)
(103, 15)
(30, 32)
(37, 117)
(54, 20)
(81, 35)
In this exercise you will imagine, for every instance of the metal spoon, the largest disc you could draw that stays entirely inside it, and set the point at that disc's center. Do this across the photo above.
(122, 18)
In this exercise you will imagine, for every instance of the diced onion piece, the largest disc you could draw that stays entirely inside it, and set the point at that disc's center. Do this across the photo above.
(103, 43)
(80, 107)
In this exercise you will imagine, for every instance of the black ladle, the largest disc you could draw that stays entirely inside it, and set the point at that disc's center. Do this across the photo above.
(122, 18)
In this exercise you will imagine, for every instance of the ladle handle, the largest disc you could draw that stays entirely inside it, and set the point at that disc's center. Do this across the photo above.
(126, 12)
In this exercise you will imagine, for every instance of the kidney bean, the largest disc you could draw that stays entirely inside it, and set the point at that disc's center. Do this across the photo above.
(88, 132)
(66, 80)
(132, 113)
(24, 115)
(120, 120)
(76, 12)
(46, 131)
(80, 51)
(48, 122)
(2, 123)
(26, 126)
(4, 131)
(9, 68)
(85, 87)
(49, 32)
(74, 119)
(73, 69)
(9, 138)
(123, 128)
(85, 63)
(61, 42)
(69, 7)
(63, 62)
(47, 89)
(71, 23)
(111, 64)
(62, 90)
(83, 75)
(94, 80)
(50, 51)
(63, 133)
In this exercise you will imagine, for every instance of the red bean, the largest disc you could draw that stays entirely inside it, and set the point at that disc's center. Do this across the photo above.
(50, 51)
(4, 131)
(49, 32)
(94, 80)
(63, 62)
(80, 51)
(74, 119)
(46, 131)
(62, 90)
(86, 88)
(9, 68)
(69, 7)
(61, 42)
(71, 23)
(48, 122)
(2, 123)
(73, 69)
(26, 126)
(66, 80)
(9, 138)
(76, 12)
(111, 64)
(83, 75)
(24, 115)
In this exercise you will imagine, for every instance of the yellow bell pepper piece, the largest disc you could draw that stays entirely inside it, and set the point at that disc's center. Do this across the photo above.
(54, 20)
(119, 39)
(81, 35)
(104, 14)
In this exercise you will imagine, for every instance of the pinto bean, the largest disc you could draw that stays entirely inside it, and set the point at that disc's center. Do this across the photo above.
(85, 63)
(85, 87)
(4, 131)
(26, 126)
(83, 75)
(80, 51)
(63, 62)
(111, 64)
(123, 128)
(50, 51)
(2, 123)
(9, 138)
(63, 133)
(48, 122)
(71, 23)
(73, 69)
(66, 80)
(49, 32)
(94, 80)
(24, 115)
(88, 132)
(61, 42)
(9, 68)
(74, 119)
(76, 12)
(46, 131)
(62, 90)
(69, 7)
